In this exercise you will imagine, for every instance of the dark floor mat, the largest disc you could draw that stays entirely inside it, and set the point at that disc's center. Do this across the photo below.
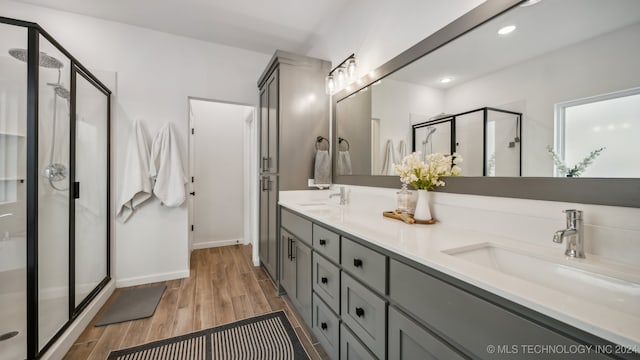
(132, 304)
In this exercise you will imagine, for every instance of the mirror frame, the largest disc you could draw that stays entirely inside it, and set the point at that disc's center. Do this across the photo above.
(601, 191)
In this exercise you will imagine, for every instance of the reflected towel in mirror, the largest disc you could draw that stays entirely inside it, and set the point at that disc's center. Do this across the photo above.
(344, 162)
(389, 159)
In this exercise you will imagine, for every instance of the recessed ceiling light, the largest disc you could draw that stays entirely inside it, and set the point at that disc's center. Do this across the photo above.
(529, 3)
(506, 30)
(445, 80)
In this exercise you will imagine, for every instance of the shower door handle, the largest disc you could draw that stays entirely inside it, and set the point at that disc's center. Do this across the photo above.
(76, 190)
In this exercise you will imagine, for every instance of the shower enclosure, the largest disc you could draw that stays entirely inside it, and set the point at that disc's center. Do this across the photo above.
(54, 189)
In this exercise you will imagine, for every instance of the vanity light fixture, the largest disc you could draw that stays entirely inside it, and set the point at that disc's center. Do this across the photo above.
(506, 30)
(339, 75)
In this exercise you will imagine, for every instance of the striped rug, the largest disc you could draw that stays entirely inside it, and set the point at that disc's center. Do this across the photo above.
(267, 337)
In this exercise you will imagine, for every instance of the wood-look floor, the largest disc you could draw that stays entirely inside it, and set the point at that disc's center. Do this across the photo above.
(224, 286)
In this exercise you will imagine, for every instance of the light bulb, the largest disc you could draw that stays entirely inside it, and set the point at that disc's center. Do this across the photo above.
(340, 76)
(331, 84)
(351, 67)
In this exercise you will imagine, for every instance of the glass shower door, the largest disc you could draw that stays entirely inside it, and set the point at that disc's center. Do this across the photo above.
(53, 191)
(13, 246)
(91, 160)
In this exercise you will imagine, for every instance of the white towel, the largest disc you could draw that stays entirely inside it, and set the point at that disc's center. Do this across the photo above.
(402, 151)
(389, 159)
(344, 162)
(166, 168)
(136, 185)
(322, 168)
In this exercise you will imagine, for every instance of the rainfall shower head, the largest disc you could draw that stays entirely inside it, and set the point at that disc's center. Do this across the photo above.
(46, 61)
(440, 116)
(60, 90)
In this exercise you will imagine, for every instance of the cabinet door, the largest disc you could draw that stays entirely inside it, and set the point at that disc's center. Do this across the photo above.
(409, 341)
(351, 348)
(264, 220)
(264, 130)
(287, 262)
(272, 89)
(303, 279)
(272, 186)
(268, 241)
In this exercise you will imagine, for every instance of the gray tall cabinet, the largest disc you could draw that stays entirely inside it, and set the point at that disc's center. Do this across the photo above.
(294, 110)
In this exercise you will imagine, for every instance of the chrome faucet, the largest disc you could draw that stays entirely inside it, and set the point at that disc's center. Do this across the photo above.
(575, 234)
(343, 195)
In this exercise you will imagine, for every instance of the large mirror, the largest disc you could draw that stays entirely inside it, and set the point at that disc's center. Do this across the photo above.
(533, 90)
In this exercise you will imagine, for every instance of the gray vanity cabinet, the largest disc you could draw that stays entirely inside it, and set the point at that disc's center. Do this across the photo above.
(409, 341)
(295, 261)
(293, 112)
(351, 348)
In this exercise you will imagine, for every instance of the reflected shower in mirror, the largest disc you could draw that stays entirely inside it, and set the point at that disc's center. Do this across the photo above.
(539, 86)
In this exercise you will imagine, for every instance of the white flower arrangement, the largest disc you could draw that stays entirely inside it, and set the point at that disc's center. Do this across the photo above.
(426, 176)
(578, 168)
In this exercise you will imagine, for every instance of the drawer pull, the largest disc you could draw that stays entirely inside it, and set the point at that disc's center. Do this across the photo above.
(323, 242)
(360, 312)
(324, 280)
(323, 326)
(357, 262)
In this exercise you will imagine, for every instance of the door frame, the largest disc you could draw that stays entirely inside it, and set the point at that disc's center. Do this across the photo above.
(250, 181)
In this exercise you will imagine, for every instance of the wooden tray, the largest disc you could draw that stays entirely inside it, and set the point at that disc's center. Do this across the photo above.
(408, 218)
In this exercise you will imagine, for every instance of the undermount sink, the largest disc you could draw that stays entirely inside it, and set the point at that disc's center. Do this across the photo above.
(317, 208)
(577, 278)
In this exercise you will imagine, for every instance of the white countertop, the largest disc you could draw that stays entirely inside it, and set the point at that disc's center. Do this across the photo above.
(424, 244)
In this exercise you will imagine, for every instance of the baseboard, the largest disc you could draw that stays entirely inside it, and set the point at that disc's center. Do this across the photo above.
(152, 278)
(217, 243)
(58, 350)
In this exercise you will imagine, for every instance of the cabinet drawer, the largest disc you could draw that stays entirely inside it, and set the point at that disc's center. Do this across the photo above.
(365, 264)
(326, 242)
(364, 312)
(470, 321)
(351, 348)
(408, 341)
(296, 225)
(326, 326)
(326, 281)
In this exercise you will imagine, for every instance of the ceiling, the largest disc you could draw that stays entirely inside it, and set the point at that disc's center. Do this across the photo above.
(256, 25)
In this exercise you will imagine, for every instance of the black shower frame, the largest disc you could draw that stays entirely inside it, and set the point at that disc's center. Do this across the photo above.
(34, 31)
(485, 114)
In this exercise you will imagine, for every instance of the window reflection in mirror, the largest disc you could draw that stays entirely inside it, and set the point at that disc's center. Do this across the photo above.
(545, 62)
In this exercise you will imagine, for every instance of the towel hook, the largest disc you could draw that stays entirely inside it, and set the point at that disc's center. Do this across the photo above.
(319, 140)
(341, 140)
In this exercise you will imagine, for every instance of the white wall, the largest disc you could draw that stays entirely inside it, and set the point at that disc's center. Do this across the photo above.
(157, 72)
(218, 154)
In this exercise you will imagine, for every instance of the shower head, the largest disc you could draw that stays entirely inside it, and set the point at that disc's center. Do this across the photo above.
(60, 90)
(440, 116)
(46, 61)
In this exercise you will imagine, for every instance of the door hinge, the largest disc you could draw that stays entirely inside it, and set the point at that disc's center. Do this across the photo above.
(193, 131)
(192, 227)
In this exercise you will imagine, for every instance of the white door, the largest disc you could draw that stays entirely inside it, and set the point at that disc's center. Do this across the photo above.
(217, 173)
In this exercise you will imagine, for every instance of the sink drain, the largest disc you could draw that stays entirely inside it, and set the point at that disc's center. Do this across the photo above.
(9, 335)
